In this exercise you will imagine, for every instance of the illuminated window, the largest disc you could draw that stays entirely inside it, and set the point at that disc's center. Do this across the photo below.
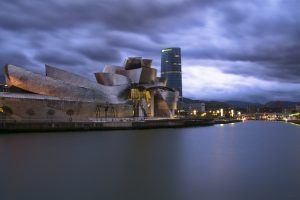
(166, 50)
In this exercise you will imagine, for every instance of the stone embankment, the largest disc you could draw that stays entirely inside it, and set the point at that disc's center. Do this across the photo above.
(294, 121)
(8, 127)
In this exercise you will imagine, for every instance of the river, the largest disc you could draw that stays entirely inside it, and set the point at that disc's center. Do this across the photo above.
(250, 160)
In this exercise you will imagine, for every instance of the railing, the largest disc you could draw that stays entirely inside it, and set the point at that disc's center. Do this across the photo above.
(46, 120)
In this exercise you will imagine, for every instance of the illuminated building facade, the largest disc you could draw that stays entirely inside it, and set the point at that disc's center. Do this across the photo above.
(171, 68)
(131, 90)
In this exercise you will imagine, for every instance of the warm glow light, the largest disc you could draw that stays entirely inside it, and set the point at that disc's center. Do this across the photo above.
(194, 112)
(232, 113)
(222, 112)
(166, 50)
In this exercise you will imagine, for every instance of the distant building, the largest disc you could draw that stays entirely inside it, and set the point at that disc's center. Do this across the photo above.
(199, 106)
(252, 109)
(202, 108)
(298, 108)
(171, 68)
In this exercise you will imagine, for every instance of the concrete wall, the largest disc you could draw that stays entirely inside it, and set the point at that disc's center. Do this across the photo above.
(61, 110)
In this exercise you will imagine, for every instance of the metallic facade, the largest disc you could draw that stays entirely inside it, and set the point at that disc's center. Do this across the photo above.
(110, 79)
(131, 90)
(171, 68)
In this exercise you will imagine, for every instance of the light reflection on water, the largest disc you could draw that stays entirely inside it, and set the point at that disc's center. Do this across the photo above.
(251, 160)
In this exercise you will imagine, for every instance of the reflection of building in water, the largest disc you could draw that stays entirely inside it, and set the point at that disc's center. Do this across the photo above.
(132, 90)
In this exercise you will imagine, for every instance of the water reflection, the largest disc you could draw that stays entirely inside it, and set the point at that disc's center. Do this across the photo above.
(251, 160)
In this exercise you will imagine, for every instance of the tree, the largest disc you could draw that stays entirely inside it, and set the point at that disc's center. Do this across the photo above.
(70, 112)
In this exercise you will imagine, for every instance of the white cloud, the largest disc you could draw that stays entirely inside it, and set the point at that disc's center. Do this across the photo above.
(208, 83)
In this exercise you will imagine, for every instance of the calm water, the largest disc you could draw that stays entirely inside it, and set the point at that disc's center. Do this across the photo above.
(252, 160)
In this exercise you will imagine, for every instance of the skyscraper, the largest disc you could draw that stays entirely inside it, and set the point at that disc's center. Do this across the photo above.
(171, 68)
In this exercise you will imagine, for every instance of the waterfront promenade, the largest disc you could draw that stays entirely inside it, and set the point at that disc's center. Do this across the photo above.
(295, 121)
(11, 126)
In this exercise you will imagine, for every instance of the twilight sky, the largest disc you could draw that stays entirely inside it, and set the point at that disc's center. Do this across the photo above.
(231, 49)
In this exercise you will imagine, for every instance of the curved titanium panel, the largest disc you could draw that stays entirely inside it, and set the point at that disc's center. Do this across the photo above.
(68, 77)
(49, 86)
(148, 76)
(141, 75)
(134, 74)
(170, 98)
(161, 108)
(133, 63)
(39, 84)
(111, 69)
(146, 63)
(161, 81)
(111, 92)
(110, 79)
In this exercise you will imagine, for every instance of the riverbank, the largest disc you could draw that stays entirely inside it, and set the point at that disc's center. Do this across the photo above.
(294, 121)
(227, 121)
(117, 125)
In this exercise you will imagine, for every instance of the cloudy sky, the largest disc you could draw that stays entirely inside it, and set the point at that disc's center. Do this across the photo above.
(231, 49)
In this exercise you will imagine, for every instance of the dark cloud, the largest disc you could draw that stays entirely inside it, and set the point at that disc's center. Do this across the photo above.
(259, 38)
(58, 58)
(15, 58)
(101, 54)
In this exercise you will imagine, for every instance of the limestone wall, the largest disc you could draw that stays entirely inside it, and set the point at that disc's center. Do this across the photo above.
(50, 109)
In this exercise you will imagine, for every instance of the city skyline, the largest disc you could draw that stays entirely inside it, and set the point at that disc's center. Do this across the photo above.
(233, 50)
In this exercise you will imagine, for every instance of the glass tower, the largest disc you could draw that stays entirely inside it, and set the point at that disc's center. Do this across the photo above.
(171, 68)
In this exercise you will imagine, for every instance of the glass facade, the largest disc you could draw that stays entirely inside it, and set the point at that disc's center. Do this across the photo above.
(171, 68)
